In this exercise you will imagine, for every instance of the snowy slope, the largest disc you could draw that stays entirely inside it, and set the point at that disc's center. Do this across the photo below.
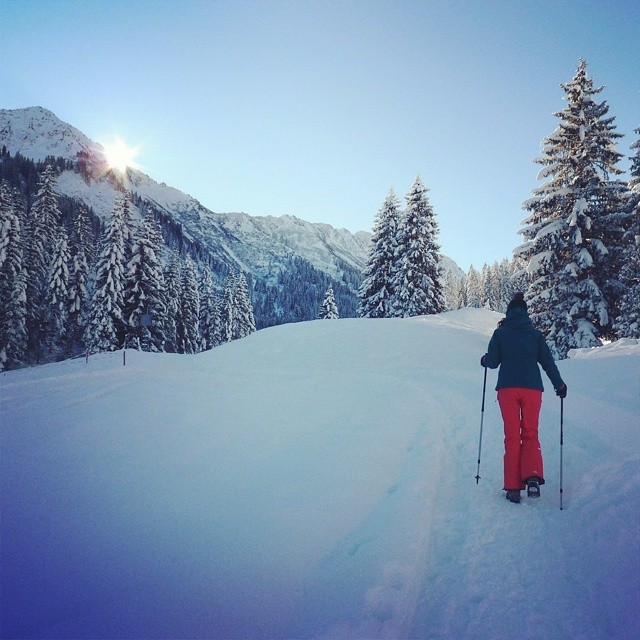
(36, 133)
(315, 480)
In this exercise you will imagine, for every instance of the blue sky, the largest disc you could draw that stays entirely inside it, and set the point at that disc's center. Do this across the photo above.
(316, 109)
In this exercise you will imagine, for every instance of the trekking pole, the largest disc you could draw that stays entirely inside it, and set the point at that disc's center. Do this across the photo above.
(484, 388)
(561, 443)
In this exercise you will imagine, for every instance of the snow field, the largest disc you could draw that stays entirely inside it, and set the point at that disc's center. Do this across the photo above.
(315, 480)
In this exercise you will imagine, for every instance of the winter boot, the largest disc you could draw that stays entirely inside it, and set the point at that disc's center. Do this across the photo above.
(533, 488)
(513, 495)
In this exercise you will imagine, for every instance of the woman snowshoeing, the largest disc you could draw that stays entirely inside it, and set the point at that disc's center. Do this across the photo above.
(517, 348)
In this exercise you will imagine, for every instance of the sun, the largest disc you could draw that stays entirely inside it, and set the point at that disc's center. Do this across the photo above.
(119, 155)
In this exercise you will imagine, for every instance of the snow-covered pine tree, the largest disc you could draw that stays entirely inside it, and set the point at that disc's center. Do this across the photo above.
(375, 294)
(217, 298)
(129, 226)
(506, 286)
(207, 310)
(486, 277)
(453, 284)
(189, 326)
(235, 311)
(40, 228)
(145, 309)
(473, 289)
(81, 246)
(57, 297)
(227, 309)
(417, 281)
(243, 320)
(328, 309)
(519, 281)
(573, 230)
(627, 324)
(13, 286)
(105, 329)
(172, 283)
(490, 283)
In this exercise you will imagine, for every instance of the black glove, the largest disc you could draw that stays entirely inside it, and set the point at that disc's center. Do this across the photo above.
(483, 360)
(561, 391)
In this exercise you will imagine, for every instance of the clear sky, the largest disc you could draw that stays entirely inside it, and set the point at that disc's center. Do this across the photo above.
(316, 109)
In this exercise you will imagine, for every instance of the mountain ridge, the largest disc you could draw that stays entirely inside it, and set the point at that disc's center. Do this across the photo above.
(37, 133)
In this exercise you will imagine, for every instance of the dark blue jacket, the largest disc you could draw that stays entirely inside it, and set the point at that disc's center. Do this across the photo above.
(517, 347)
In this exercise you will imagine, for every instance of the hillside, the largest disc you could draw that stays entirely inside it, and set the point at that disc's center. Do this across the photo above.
(316, 480)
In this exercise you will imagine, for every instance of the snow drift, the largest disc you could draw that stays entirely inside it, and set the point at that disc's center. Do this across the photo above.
(315, 480)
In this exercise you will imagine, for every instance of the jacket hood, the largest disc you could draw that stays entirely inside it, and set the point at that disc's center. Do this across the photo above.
(517, 318)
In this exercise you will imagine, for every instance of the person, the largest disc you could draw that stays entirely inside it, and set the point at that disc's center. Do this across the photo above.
(517, 348)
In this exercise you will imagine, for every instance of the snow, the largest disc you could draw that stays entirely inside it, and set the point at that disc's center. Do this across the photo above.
(100, 195)
(624, 346)
(547, 171)
(316, 480)
(37, 133)
(584, 258)
(538, 260)
(550, 228)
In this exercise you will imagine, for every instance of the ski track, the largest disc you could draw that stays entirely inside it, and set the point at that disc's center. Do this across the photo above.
(414, 591)
(437, 606)
(394, 567)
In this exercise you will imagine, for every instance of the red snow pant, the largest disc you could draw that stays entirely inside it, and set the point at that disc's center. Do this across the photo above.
(522, 455)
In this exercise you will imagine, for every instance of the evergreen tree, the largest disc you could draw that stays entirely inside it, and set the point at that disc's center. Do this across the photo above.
(573, 232)
(144, 298)
(81, 257)
(490, 284)
(417, 282)
(57, 298)
(227, 308)
(208, 325)
(13, 286)
(375, 293)
(41, 225)
(506, 285)
(189, 327)
(128, 226)
(106, 325)
(172, 282)
(216, 307)
(473, 291)
(329, 308)
(520, 279)
(236, 311)
(243, 320)
(627, 324)
(453, 284)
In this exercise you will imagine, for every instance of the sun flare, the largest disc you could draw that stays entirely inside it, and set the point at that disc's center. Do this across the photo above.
(119, 155)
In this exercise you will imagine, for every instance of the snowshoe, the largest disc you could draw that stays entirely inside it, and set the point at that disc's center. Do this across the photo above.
(533, 489)
(513, 495)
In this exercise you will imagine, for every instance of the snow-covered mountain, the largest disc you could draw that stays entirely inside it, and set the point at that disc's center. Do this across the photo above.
(316, 480)
(37, 133)
(261, 246)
